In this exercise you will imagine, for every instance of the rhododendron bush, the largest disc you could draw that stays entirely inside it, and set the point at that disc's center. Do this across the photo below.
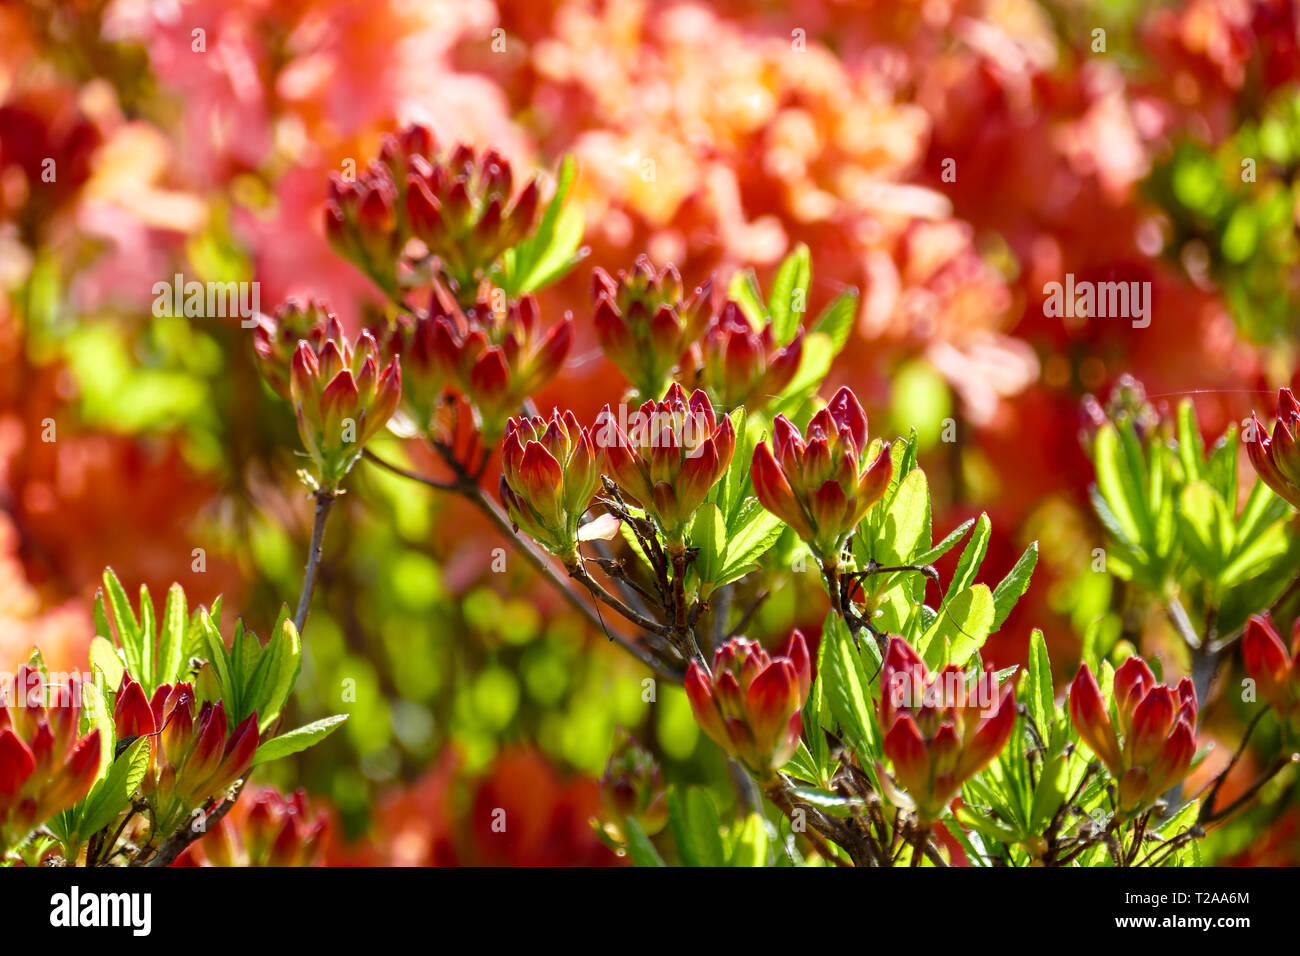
(602, 432)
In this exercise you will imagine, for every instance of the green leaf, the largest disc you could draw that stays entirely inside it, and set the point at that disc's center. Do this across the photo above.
(112, 794)
(125, 624)
(946, 545)
(1191, 451)
(639, 848)
(818, 353)
(552, 249)
(758, 530)
(696, 827)
(972, 556)
(215, 648)
(750, 847)
(297, 740)
(147, 640)
(105, 656)
(1115, 481)
(1010, 588)
(836, 320)
(744, 291)
(905, 525)
(846, 685)
(709, 537)
(171, 642)
(277, 672)
(1207, 528)
(793, 277)
(730, 492)
(1050, 792)
(961, 628)
(1042, 694)
(98, 716)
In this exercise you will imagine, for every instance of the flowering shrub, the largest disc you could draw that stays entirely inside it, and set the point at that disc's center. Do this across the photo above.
(837, 641)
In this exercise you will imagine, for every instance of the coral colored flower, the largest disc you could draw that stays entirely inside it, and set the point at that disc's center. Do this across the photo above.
(816, 485)
(644, 324)
(751, 706)
(670, 455)
(940, 729)
(45, 766)
(740, 365)
(632, 788)
(1276, 457)
(1150, 745)
(1276, 671)
(341, 399)
(548, 477)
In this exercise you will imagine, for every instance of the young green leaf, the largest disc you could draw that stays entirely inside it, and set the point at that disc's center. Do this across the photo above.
(297, 740)
(789, 299)
(1010, 588)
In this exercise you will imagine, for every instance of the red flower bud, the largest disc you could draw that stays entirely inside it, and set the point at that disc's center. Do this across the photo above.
(1157, 724)
(1276, 457)
(740, 364)
(276, 339)
(1274, 669)
(341, 399)
(265, 828)
(548, 478)
(751, 705)
(644, 325)
(460, 208)
(940, 729)
(671, 453)
(495, 354)
(363, 224)
(45, 768)
(816, 486)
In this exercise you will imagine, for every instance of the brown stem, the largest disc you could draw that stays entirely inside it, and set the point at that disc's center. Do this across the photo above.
(776, 793)
(1278, 766)
(324, 500)
(1207, 808)
(468, 489)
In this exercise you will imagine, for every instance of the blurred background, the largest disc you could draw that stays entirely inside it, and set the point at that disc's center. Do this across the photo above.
(947, 158)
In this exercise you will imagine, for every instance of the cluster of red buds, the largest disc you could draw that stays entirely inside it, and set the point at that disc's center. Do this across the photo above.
(1274, 669)
(740, 365)
(45, 765)
(462, 209)
(341, 398)
(631, 789)
(495, 354)
(192, 759)
(276, 339)
(751, 705)
(1157, 724)
(816, 484)
(940, 729)
(644, 324)
(548, 478)
(274, 831)
(669, 455)
(460, 205)
(1276, 457)
(362, 222)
